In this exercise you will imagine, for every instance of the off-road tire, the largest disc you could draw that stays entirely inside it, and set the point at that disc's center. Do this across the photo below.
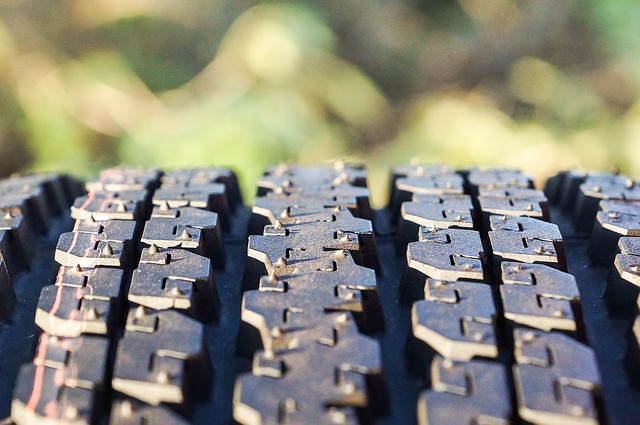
(149, 297)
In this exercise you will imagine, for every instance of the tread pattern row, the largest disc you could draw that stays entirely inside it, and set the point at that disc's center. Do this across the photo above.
(122, 324)
(494, 311)
(311, 294)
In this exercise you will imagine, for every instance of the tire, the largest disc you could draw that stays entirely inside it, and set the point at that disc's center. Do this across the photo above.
(473, 298)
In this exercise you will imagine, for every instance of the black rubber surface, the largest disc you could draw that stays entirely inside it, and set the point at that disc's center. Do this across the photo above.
(608, 336)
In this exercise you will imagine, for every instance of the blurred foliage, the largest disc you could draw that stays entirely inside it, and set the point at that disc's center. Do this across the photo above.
(537, 84)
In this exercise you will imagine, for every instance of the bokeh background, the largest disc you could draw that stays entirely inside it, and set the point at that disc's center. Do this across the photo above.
(537, 84)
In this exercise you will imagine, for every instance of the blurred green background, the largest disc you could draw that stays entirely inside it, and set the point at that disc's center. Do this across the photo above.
(537, 84)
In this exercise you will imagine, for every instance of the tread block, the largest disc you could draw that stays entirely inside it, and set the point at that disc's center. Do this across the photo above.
(64, 383)
(623, 284)
(465, 393)
(527, 240)
(447, 254)
(430, 184)
(597, 187)
(99, 207)
(456, 319)
(104, 206)
(124, 195)
(408, 186)
(186, 228)
(452, 211)
(539, 296)
(207, 196)
(355, 198)
(453, 202)
(287, 213)
(294, 244)
(160, 358)
(82, 301)
(621, 206)
(608, 227)
(286, 176)
(205, 176)
(269, 209)
(440, 215)
(95, 244)
(517, 201)
(112, 230)
(514, 192)
(286, 210)
(121, 178)
(556, 379)
(411, 181)
(498, 178)
(174, 279)
(98, 277)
